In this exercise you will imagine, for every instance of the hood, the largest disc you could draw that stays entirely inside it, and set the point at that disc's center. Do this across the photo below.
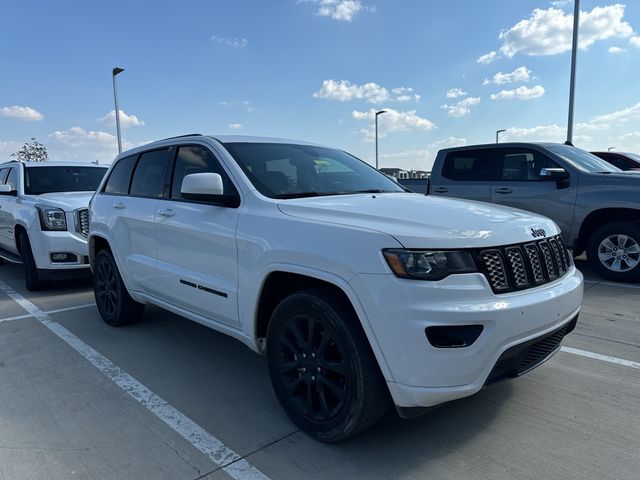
(419, 221)
(629, 178)
(67, 201)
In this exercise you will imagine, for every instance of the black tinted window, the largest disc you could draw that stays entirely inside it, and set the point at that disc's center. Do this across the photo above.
(39, 180)
(522, 164)
(12, 179)
(467, 165)
(196, 159)
(120, 177)
(149, 175)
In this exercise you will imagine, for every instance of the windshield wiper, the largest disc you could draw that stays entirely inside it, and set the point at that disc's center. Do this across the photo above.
(283, 196)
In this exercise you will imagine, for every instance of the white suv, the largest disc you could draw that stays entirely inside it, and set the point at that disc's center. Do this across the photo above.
(44, 218)
(358, 292)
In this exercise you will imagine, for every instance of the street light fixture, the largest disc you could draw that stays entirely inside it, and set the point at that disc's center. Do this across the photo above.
(379, 112)
(115, 72)
(498, 132)
(610, 148)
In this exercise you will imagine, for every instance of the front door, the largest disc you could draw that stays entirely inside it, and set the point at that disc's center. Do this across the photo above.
(196, 244)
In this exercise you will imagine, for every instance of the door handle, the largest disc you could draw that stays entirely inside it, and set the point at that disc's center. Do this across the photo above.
(168, 212)
(118, 205)
(441, 190)
(503, 190)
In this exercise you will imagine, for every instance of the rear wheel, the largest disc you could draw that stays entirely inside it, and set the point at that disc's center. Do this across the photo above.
(112, 298)
(322, 368)
(613, 251)
(32, 281)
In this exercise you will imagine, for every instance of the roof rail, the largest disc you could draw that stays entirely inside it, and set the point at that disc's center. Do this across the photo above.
(181, 136)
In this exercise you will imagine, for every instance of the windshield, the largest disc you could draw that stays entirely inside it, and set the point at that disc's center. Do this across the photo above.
(633, 156)
(39, 180)
(582, 160)
(280, 170)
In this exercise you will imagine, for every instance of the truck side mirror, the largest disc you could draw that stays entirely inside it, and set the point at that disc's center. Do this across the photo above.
(555, 174)
(7, 190)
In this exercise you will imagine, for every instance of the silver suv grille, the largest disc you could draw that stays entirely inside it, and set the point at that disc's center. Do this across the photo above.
(526, 265)
(82, 221)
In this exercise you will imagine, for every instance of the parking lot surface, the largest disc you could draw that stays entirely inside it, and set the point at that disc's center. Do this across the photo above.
(168, 398)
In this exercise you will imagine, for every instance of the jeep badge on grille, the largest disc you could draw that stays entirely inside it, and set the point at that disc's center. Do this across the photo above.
(538, 232)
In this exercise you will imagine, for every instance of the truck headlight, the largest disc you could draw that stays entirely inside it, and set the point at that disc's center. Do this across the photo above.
(52, 218)
(428, 264)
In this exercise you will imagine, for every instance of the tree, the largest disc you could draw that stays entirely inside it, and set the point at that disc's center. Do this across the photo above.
(32, 151)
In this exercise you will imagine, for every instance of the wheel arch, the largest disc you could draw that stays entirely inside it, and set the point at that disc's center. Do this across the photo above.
(601, 217)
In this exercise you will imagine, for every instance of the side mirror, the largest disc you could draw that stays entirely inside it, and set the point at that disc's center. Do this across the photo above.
(7, 190)
(555, 174)
(207, 187)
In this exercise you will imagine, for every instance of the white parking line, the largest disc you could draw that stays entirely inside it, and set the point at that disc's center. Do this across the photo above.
(612, 284)
(49, 312)
(232, 463)
(599, 356)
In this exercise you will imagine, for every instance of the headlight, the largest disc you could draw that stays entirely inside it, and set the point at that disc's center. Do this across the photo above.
(52, 218)
(428, 264)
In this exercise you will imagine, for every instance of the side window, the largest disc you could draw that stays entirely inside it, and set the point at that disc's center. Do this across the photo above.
(467, 165)
(197, 159)
(3, 175)
(522, 164)
(149, 175)
(120, 177)
(12, 179)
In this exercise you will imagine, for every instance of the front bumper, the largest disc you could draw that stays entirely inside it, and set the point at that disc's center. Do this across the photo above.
(46, 243)
(421, 375)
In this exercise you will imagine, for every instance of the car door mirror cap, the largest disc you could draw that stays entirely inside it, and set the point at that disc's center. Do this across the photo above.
(555, 174)
(199, 184)
(7, 190)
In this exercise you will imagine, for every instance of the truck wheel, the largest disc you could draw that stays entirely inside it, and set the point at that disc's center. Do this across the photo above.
(613, 251)
(114, 303)
(322, 368)
(31, 279)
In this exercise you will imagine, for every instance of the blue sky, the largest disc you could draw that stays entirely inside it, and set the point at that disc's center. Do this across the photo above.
(316, 70)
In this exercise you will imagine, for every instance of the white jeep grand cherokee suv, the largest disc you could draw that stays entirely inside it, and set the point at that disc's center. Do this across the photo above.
(44, 218)
(358, 292)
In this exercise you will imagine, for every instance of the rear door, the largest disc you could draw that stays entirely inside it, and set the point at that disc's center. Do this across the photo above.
(465, 174)
(196, 243)
(520, 185)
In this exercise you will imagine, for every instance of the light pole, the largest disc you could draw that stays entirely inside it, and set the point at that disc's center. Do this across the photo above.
(610, 148)
(498, 132)
(572, 84)
(379, 112)
(115, 72)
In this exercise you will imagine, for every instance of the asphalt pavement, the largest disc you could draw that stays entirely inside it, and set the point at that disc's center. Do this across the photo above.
(167, 398)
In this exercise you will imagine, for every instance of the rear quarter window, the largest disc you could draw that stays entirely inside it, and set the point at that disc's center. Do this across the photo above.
(467, 165)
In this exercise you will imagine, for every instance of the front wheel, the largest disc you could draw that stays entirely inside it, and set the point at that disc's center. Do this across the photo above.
(322, 368)
(112, 298)
(613, 251)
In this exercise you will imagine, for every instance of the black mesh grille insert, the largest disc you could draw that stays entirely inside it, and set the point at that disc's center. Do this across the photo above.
(516, 267)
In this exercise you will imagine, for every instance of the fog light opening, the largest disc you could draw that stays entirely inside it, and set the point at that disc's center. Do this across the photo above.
(453, 336)
(63, 257)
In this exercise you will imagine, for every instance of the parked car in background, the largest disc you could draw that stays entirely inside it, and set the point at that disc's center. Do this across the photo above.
(360, 293)
(623, 160)
(44, 217)
(596, 205)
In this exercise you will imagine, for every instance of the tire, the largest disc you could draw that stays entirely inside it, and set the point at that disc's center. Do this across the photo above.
(328, 382)
(31, 280)
(613, 251)
(114, 303)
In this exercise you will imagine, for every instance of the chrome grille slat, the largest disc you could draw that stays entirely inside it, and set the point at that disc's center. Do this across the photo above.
(516, 267)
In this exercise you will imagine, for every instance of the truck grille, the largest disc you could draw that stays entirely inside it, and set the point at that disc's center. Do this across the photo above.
(82, 221)
(526, 265)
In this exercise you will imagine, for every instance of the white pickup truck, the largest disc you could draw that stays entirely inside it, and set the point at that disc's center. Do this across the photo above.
(360, 293)
(44, 218)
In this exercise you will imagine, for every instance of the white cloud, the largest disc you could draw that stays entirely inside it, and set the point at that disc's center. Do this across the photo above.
(561, 3)
(340, 10)
(231, 42)
(635, 41)
(420, 159)
(125, 120)
(26, 114)
(487, 58)
(79, 144)
(549, 32)
(461, 108)
(235, 126)
(616, 50)
(344, 91)
(520, 74)
(621, 116)
(391, 121)
(455, 93)
(520, 93)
